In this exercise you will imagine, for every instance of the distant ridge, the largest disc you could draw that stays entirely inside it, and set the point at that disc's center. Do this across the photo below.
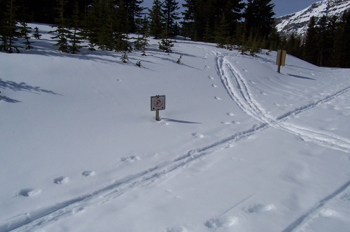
(297, 23)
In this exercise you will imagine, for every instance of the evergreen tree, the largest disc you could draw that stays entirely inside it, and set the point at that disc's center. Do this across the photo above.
(222, 35)
(170, 14)
(9, 28)
(121, 29)
(156, 17)
(166, 45)
(259, 17)
(76, 37)
(203, 16)
(25, 32)
(108, 22)
(142, 41)
(207, 34)
(134, 12)
(310, 51)
(321, 29)
(188, 18)
(345, 56)
(337, 46)
(62, 32)
(274, 39)
(36, 33)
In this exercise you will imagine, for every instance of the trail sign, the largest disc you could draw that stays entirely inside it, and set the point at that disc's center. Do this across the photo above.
(157, 103)
(281, 59)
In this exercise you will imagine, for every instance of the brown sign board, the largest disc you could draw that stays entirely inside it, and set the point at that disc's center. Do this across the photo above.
(281, 57)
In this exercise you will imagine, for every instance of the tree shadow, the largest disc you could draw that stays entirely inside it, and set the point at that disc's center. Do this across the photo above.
(14, 86)
(9, 100)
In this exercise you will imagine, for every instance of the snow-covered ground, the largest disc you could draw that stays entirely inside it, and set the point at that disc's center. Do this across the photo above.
(239, 147)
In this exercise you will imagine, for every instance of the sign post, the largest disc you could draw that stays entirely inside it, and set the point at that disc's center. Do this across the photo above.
(157, 103)
(281, 59)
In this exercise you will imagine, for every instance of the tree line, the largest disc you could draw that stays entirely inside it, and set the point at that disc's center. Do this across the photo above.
(108, 25)
(326, 42)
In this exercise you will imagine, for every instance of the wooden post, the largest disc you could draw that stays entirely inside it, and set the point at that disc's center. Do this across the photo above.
(281, 59)
(157, 115)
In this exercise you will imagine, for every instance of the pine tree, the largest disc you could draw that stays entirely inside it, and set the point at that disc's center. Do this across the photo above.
(188, 18)
(259, 17)
(222, 35)
(169, 11)
(36, 33)
(337, 46)
(310, 51)
(166, 44)
(156, 17)
(108, 25)
(9, 29)
(198, 12)
(25, 32)
(121, 29)
(62, 32)
(321, 29)
(345, 58)
(76, 37)
(207, 34)
(134, 12)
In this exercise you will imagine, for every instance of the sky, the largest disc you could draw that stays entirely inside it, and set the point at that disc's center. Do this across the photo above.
(282, 7)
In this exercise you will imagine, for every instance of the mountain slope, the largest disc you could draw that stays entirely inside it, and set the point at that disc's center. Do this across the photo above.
(297, 23)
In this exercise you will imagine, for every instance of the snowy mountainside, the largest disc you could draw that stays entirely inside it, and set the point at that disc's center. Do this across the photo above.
(297, 23)
(239, 146)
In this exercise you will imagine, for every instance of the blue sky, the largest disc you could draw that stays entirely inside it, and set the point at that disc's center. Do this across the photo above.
(282, 7)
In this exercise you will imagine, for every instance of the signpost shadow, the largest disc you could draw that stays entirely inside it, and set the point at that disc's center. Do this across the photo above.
(180, 121)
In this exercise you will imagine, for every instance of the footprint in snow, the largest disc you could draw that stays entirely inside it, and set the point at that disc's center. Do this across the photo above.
(130, 159)
(221, 222)
(229, 123)
(218, 98)
(345, 197)
(28, 192)
(88, 173)
(176, 229)
(327, 213)
(211, 78)
(207, 67)
(61, 180)
(258, 208)
(214, 86)
(198, 135)
(230, 114)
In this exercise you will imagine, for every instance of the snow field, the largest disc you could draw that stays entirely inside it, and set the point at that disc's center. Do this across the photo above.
(239, 148)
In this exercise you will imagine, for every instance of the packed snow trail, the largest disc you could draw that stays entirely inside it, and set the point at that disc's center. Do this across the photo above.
(30, 220)
(298, 224)
(238, 90)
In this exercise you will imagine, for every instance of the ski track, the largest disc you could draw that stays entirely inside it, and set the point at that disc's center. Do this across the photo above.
(245, 102)
(29, 221)
(243, 99)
